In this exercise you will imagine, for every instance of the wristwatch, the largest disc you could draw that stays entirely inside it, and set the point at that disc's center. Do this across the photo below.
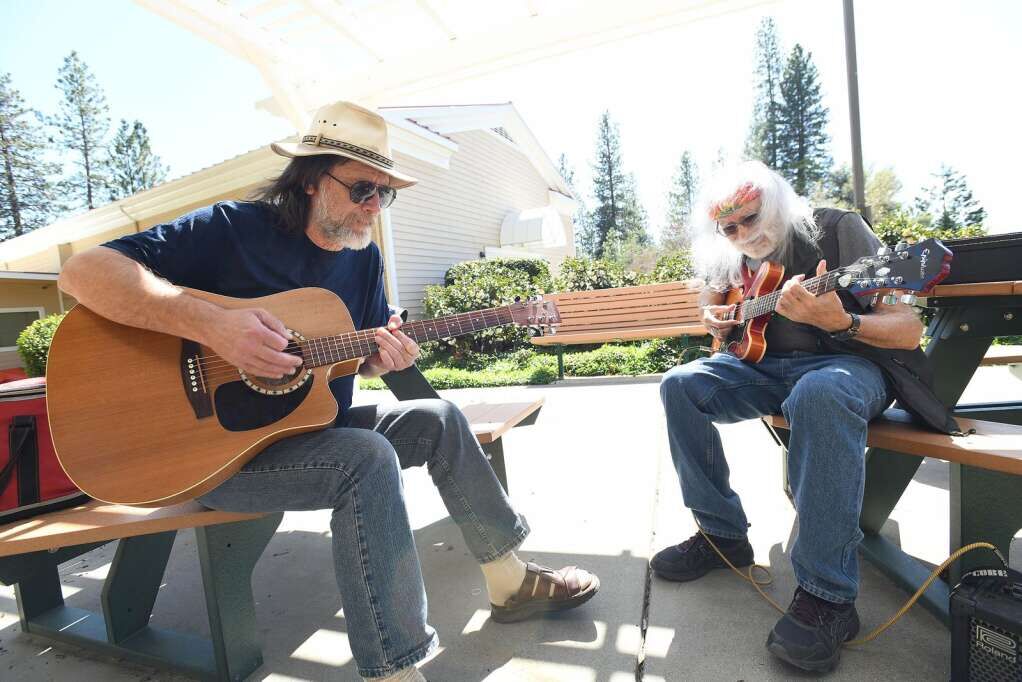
(850, 333)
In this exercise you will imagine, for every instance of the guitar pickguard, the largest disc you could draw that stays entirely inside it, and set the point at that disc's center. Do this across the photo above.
(239, 408)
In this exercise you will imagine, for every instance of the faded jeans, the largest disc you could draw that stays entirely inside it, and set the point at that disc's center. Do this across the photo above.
(355, 470)
(828, 401)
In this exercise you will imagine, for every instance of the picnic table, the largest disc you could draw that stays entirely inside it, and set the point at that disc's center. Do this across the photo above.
(985, 503)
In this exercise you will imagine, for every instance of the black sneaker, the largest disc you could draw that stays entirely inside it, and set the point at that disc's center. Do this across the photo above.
(695, 558)
(811, 633)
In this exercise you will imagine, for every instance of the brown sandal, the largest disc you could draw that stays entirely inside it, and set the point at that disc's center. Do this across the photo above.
(545, 590)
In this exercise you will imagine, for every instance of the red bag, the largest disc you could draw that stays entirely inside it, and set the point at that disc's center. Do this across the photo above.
(31, 479)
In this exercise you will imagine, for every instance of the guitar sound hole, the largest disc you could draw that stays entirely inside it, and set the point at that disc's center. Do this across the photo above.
(239, 408)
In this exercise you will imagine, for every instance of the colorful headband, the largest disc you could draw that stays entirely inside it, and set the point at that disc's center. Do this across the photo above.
(741, 197)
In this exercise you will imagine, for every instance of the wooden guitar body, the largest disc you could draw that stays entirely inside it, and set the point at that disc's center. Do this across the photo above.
(129, 427)
(747, 340)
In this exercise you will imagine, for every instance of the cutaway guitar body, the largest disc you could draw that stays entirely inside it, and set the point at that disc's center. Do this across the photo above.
(148, 419)
(747, 340)
(129, 429)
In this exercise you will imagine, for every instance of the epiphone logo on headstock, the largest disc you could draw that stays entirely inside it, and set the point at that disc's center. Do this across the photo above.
(925, 256)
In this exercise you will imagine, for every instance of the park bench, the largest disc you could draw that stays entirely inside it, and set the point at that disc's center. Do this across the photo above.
(624, 314)
(229, 545)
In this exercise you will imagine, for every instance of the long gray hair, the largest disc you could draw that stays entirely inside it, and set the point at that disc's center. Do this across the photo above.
(717, 260)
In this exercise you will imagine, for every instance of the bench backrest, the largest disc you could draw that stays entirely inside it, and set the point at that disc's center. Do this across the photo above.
(647, 311)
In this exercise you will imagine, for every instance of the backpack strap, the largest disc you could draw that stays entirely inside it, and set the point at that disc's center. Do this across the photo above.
(23, 453)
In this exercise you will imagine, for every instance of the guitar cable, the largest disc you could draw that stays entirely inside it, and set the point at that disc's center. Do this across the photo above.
(759, 584)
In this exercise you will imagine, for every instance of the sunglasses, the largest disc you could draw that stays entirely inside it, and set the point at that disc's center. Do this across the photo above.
(730, 229)
(363, 190)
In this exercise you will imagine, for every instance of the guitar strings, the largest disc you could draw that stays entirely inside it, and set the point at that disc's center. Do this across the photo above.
(360, 343)
(351, 345)
(349, 340)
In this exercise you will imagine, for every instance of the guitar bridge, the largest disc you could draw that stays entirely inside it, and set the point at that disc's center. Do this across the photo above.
(193, 380)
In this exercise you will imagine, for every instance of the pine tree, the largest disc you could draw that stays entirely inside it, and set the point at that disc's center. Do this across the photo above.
(680, 201)
(26, 192)
(803, 157)
(617, 217)
(585, 237)
(763, 141)
(949, 201)
(81, 126)
(133, 166)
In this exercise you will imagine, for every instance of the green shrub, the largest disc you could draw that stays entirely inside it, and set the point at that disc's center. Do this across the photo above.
(476, 285)
(536, 269)
(540, 369)
(672, 267)
(900, 226)
(34, 343)
(586, 274)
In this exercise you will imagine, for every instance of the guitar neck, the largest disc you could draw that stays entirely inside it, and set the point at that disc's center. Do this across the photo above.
(327, 350)
(767, 303)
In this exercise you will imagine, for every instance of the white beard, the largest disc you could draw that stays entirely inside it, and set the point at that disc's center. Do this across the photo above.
(341, 233)
(759, 245)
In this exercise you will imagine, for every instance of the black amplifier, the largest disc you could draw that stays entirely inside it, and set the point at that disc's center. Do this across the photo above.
(990, 258)
(986, 626)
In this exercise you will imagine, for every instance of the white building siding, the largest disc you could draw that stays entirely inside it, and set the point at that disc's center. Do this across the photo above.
(453, 215)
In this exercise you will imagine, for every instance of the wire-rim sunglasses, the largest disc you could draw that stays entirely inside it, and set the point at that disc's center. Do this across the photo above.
(730, 229)
(361, 191)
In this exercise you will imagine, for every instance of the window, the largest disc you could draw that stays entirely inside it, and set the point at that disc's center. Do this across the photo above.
(12, 322)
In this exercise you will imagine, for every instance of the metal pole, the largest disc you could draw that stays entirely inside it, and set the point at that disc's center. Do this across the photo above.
(858, 178)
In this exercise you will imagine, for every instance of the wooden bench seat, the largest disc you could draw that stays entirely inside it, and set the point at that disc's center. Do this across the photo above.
(993, 445)
(1001, 355)
(651, 311)
(101, 522)
(228, 547)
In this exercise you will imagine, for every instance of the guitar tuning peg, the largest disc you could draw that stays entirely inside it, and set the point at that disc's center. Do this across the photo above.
(901, 246)
(909, 299)
(883, 251)
(890, 299)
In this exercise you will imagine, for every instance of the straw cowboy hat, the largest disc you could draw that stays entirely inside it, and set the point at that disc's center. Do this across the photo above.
(348, 130)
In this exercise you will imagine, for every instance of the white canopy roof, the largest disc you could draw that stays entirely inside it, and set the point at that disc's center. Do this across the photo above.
(373, 51)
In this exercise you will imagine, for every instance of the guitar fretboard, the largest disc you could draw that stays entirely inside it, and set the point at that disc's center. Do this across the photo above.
(767, 303)
(326, 350)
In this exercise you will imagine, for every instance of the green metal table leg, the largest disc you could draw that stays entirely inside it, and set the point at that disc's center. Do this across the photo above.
(495, 454)
(560, 361)
(227, 554)
(133, 582)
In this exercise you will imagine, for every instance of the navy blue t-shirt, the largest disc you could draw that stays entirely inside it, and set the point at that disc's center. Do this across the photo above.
(237, 249)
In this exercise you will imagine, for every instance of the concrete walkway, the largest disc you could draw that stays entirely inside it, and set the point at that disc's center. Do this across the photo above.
(594, 478)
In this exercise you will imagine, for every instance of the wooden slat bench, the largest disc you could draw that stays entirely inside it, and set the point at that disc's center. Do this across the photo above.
(624, 314)
(228, 545)
(986, 486)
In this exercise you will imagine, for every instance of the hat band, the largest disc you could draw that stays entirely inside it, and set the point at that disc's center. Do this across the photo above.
(320, 141)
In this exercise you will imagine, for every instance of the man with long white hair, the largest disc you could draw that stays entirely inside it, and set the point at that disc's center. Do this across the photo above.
(812, 373)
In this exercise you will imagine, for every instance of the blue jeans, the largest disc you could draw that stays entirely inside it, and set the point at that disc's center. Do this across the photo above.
(355, 470)
(827, 400)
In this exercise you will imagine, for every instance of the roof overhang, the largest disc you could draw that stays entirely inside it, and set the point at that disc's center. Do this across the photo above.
(231, 176)
(423, 44)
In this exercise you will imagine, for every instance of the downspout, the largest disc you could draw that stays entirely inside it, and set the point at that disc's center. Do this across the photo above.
(389, 262)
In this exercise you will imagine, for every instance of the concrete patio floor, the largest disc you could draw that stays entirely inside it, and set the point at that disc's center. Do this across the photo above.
(594, 478)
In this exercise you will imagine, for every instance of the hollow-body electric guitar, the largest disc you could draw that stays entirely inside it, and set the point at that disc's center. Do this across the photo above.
(916, 268)
(148, 419)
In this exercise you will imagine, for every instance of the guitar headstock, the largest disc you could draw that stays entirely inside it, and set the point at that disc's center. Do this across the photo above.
(912, 267)
(538, 315)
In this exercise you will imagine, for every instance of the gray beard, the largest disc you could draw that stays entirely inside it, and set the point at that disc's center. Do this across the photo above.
(347, 237)
(340, 233)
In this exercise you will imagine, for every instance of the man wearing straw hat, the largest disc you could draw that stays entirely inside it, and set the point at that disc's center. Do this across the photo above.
(312, 226)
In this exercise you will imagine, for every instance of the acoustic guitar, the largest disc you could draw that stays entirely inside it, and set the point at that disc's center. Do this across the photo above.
(916, 268)
(148, 419)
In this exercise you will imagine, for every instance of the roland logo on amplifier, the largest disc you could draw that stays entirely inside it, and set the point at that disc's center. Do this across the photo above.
(996, 644)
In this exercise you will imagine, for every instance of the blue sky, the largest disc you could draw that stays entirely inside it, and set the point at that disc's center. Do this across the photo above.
(937, 83)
